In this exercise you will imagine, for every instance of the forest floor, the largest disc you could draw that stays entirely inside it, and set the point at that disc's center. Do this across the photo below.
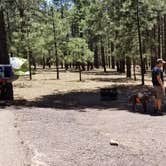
(65, 123)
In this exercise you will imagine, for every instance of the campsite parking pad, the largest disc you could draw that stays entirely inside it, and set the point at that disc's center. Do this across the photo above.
(64, 123)
(80, 138)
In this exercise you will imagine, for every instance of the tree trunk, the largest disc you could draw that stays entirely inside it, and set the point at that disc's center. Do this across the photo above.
(57, 64)
(4, 57)
(48, 62)
(118, 66)
(30, 63)
(109, 61)
(22, 16)
(154, 54)
(134, 65)
(159, 35)
(23, 27)
(89, 66)
(55, 46)
(113, 62)
(140, 42)
(80, 72)
(66, 66)
(9, 33)
(83, 66)
(103, 57)
(7, 88)
(162, 36)
(164, 42)
(128, 65)
(29, 56)
(153, 61)
(96, 57)
(122, 65)
(44, 62)
(112, 57)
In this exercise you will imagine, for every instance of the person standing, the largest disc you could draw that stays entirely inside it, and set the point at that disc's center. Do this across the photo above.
(158, 84)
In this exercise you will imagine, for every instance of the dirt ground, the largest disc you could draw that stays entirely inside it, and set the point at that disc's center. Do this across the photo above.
(45, 83)
(65, 123)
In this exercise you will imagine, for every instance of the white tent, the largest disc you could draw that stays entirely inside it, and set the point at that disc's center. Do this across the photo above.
(17, 62)
(20, 66)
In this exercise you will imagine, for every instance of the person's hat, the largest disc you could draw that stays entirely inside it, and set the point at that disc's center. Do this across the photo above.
(160, 60)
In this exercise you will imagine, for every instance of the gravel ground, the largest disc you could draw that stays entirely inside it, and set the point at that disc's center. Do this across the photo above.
(12, 150)
(64, 123)
(82, 137)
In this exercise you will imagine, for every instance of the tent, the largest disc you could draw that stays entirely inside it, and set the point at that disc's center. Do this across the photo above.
(19, 65)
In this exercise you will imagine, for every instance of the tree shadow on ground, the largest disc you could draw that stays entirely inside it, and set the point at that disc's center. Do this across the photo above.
(51, 70)
(111, 79)
(102, 73)
(109, 73)
(71, 100)
(81, 100)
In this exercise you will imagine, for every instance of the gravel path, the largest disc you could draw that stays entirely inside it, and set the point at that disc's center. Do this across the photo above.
(11, 151)
(82, 137)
